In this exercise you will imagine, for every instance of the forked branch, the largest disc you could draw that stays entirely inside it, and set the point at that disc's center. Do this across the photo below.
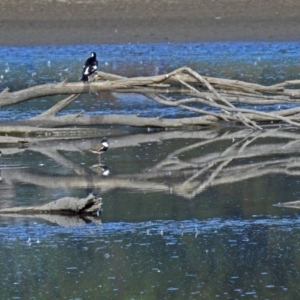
(210, 99)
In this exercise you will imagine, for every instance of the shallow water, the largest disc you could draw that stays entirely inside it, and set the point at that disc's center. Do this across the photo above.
(186, 215)
(227, 259)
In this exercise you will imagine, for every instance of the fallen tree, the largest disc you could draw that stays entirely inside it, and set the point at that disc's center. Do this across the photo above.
(210, 99)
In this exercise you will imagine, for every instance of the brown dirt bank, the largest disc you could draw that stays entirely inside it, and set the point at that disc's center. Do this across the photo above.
(48, 22)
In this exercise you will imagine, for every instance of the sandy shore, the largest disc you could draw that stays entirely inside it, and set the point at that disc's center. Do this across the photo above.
(49, 22)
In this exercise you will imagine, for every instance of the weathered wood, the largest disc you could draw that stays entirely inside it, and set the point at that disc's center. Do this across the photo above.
(122, 120)
(61, 220)
(34, 128)
(213, 99)
(66, 205)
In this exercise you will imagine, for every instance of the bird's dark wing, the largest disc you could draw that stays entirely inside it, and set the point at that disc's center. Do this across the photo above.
(90, 66)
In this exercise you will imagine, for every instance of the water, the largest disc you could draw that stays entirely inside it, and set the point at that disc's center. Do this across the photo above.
(226, 259)
(186, 214)
(265, 63)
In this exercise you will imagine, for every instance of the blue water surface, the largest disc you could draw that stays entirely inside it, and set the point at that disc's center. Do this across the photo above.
(21, 67)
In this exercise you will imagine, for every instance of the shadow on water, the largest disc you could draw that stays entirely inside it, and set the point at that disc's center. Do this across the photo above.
(186, 215)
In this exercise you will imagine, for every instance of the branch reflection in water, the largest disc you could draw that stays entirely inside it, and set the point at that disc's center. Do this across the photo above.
(196, 160)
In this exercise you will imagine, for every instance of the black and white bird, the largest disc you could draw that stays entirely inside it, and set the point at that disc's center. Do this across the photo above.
(105, 170)
(103, 148)
(90, 66)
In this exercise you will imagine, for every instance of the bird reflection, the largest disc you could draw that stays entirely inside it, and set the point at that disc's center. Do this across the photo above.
(104, 169)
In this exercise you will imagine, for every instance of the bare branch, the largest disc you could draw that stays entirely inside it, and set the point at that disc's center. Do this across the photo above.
(211, 98)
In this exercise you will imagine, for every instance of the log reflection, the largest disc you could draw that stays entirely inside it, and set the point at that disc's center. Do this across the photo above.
(61, 220)
(201, 160)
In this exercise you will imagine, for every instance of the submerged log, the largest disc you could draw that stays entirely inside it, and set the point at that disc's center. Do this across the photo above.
(66, 205)
(61, 220)
(292, 204)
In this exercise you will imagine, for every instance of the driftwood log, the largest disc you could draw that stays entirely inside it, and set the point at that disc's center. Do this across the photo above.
(61, 220)
(67, 205)
(210, 99)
